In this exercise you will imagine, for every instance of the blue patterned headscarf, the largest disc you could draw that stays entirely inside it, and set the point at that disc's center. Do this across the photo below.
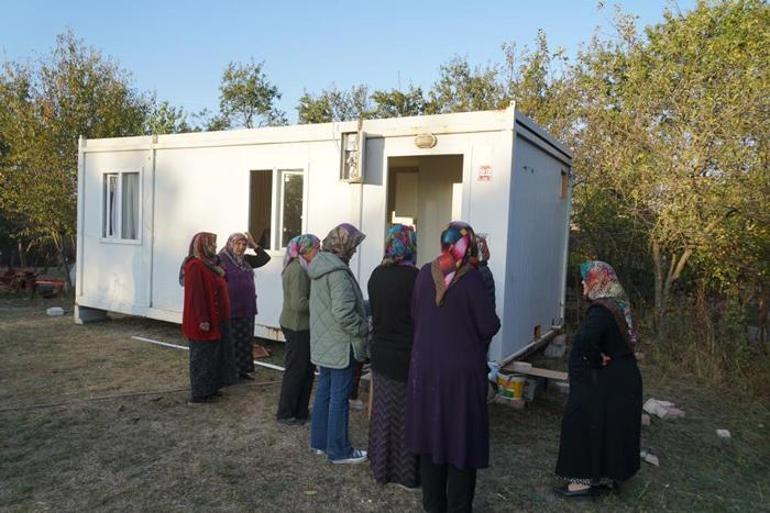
(298, 247)
(400, 246)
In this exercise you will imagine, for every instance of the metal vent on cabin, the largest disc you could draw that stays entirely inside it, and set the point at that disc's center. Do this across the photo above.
(352, 157)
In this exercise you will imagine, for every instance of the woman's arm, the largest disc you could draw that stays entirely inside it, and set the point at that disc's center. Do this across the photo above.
(195, 285)
(344, 306)
(259, 259)
(298, 286)
(588, 339)
(482, 307)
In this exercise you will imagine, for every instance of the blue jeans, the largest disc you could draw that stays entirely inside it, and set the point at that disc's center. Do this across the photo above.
(329, 426)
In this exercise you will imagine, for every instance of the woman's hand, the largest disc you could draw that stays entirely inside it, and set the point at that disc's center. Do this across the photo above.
(251, 242)
(204, 326)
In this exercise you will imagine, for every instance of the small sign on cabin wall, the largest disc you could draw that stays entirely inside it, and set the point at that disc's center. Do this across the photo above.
(485, 174)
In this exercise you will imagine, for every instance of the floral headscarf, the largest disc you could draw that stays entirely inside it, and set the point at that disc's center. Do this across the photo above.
(229, 251)
(604, 288)
(300, 246)
(343, 240)
(457, 249)
(202, 247)
(400, 246)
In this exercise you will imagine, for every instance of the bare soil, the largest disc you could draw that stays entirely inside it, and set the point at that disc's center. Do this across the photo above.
(91, 420)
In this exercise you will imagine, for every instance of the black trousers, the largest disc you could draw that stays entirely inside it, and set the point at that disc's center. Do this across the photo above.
(298, 376)
(446, 488)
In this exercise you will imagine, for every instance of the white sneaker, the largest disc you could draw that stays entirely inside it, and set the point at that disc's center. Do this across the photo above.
(358, 456)
(317, 452)
(356, 404)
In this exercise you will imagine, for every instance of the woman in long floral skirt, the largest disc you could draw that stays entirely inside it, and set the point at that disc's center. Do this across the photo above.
(390, 294)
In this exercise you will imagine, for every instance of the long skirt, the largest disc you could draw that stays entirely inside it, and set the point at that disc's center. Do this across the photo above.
(243, 333)
(212, 365)
(206, 365)
(389, 458)
(601, 428)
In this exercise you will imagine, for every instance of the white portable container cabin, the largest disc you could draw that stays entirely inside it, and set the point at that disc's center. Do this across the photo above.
(140, 200)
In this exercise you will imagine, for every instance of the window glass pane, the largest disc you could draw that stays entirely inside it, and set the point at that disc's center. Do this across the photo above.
(110, 204)
(130, 206)
(260, 206)
(292, 206)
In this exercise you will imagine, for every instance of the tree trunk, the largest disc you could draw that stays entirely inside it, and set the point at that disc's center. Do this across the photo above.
(664, 280)
(62, 257)
(658, 261)
(22, 254)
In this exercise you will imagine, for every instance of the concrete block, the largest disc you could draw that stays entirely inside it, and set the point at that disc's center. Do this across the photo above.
(85, 315)
(723, 434)
(557, 347)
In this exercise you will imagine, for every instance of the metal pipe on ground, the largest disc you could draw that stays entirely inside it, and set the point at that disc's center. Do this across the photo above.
(175, 346)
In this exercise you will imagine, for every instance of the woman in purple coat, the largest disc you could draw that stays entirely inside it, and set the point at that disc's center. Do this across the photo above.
(239, 273)
(447, 423)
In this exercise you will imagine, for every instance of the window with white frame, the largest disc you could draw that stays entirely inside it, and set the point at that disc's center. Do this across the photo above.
(276, 206)
(120, 206)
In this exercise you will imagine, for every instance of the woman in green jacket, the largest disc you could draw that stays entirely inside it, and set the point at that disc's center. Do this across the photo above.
(338, 329)
(295, 323)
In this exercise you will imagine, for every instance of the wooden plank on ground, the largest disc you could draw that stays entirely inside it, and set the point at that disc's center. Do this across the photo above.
(528, 369)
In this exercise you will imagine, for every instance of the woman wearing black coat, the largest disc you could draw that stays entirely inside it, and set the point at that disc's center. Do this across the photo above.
(600, 433)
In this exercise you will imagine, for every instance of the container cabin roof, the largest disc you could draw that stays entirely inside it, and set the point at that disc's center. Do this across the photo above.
(437, 124)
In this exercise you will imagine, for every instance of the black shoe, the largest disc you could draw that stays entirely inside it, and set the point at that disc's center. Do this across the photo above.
(564, 491)
(612, 486)
(202, 400)
(290, 421)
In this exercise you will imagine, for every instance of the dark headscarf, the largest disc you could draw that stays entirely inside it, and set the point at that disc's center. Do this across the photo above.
(458, 246)
(400, 246)
(343, 240)
(200, 248)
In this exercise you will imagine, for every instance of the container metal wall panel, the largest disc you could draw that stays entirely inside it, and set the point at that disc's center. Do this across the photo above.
(536, 245)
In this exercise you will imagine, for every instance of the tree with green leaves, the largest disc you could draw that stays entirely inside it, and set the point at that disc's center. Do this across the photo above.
(164, 118)
(461, 88)
(334, 104)
(44, 107)
(247, 99)
(396, 103)
(669, 126)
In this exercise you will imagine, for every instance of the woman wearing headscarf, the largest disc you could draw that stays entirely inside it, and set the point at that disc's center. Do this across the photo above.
(239, 273)
(205, 318)
(390, 295)
(600, 430)
(338, 329)
(295, 323)
(447, 423)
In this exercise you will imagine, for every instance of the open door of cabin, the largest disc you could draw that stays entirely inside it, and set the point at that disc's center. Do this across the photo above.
(425, 192)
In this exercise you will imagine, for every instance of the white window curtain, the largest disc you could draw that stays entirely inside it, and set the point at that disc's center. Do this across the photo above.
(130, 206)
(112, 205)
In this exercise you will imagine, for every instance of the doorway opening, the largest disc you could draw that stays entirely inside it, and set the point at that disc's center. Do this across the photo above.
(425, 192)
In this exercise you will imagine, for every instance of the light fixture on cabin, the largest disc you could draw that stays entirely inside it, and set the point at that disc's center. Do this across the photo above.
(425, 141)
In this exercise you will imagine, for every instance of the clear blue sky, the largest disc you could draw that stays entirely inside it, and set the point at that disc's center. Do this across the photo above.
(179, 49)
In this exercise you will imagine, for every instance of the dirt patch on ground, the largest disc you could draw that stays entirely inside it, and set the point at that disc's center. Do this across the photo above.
(91, 420)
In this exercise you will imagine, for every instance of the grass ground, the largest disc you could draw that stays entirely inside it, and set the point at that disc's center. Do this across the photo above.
(73, 438)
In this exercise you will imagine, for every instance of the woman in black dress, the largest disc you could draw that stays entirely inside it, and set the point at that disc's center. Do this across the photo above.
(390, 296)
(601, 428)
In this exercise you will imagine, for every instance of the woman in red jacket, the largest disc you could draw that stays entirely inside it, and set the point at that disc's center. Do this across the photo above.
(205, 319)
